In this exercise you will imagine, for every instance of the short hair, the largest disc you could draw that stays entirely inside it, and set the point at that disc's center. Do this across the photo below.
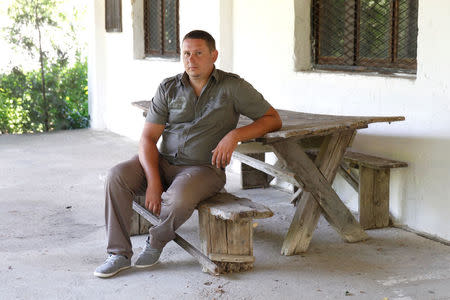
(202, 35)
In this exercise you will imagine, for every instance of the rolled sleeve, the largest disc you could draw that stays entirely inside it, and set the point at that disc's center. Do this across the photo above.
(158, 112)
(249, 102)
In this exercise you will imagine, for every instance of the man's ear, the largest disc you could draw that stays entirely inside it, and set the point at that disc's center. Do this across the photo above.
(215, 54)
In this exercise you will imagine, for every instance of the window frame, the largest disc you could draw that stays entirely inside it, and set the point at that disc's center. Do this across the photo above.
(352, 61)
(161, 52)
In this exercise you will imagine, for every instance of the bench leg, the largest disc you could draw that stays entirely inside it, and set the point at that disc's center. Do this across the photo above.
(228, 244)
(139, 225)
(252, 178)
(373, 197)
(317, 178)
(207, 264)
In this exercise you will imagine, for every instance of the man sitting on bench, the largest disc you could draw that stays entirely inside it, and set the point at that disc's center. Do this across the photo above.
(196, 113)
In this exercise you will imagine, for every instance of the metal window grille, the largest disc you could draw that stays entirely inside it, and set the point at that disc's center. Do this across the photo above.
(161, 28)
(373, 35)
(113, 15)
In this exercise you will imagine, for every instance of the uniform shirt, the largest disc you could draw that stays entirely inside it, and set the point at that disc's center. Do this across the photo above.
(195, 125)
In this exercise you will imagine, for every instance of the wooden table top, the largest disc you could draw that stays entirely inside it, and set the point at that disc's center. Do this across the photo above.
(300, 124)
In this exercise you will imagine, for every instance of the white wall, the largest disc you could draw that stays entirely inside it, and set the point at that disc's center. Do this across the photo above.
(256, 39)
(264, 55)
(116, 79)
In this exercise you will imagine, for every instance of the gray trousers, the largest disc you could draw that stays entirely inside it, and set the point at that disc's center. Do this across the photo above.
(184, 187)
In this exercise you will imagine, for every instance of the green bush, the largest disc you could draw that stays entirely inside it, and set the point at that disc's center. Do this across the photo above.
(22, 109)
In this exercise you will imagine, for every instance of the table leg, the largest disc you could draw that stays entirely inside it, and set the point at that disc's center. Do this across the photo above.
(316, 179)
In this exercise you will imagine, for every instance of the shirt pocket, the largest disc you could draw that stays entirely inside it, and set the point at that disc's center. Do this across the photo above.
(180, 111)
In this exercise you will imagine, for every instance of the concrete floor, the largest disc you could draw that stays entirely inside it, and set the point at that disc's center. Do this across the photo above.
(52, 238)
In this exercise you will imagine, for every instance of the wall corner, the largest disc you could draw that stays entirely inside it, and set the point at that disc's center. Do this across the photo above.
(137, 16)
(302, 35)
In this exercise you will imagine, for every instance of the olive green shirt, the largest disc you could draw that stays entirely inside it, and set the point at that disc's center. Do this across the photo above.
(195, 125)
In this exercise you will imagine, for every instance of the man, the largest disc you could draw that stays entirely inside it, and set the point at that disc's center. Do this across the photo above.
(196, 113)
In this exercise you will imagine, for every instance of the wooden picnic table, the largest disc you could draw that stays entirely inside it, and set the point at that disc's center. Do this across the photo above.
(331, 135)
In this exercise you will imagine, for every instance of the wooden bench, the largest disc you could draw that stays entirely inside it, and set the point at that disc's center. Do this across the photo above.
(225, 231)
(372, 185)
(371, 182)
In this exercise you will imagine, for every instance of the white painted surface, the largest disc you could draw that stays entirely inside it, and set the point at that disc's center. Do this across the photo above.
(258, 41)
(263, 54)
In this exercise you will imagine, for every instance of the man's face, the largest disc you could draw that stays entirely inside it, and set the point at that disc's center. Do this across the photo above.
(198, 59)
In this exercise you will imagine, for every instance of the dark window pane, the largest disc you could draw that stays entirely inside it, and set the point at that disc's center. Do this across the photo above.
(154, 29)
(161, 28)
(331, 28)
(407, 29)
(365, 34)
(170, 26)
(375, 29)
(113, 16)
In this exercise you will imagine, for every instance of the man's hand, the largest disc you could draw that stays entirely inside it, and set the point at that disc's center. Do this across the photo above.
(153, 199)
(222, 153)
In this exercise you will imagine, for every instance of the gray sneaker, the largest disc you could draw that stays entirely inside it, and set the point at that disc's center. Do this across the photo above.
(113, 265)
(148, 257)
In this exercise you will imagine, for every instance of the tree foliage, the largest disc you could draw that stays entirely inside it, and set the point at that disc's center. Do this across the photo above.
(55, 95)
(21, 103)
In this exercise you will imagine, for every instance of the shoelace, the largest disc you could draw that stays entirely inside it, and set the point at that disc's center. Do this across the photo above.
(150, 249)
(112, 258)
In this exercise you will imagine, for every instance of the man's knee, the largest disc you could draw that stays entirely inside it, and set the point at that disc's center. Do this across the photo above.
(177, 203)
(115, 174)
(124, 174)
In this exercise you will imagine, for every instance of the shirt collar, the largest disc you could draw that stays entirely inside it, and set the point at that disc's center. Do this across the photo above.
(184, 78)
(215, 74)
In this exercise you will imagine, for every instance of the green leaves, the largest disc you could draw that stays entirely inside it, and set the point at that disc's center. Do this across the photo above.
(54, 96)
(22, 109)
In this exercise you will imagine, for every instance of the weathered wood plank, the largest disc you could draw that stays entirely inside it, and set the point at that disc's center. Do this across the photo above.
(267, 168)
(139, 225)
(326, 160)
(238, 237)
(134, 227)
(349, 177)
(227, 235)
(218, 235)
(308, 210)
(366, 190)
(253, 147)
(206, 263)
(144, 225)
(381, 198)
(374, 198)
(296, 197)
(229, 207)
(203, 230)
(375, 162)
(317, 185)
(279, 164)
(356, 159)
(301, 124)
(232, 258)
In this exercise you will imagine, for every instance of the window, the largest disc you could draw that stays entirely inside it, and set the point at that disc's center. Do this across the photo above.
(113, 15)
(161, 30)
(374, 35)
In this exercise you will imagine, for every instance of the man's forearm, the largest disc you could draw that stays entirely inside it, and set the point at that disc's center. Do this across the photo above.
(258, 128)
(149, 159)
